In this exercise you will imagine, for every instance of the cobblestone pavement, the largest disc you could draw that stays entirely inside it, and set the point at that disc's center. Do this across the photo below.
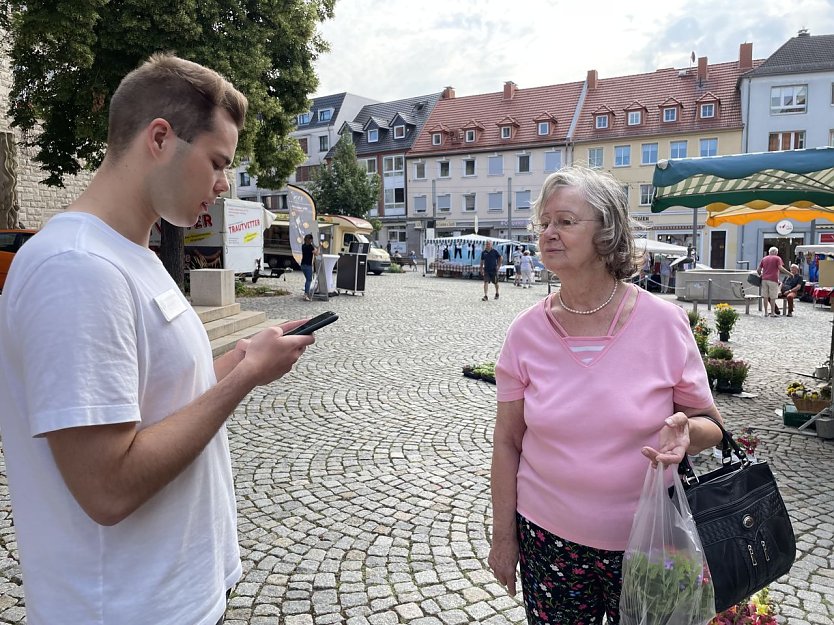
(363, 476)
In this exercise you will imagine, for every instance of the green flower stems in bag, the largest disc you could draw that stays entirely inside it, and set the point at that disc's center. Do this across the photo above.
(665, 576)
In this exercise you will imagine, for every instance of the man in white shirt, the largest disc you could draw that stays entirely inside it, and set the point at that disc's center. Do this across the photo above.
(113, 413)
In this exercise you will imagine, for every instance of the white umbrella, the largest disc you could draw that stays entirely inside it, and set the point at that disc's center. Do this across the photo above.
(657, 247)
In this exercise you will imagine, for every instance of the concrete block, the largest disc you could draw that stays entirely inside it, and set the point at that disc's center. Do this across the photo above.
(212, 287)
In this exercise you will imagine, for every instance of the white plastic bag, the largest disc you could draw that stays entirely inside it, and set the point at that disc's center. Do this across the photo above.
(665, 576)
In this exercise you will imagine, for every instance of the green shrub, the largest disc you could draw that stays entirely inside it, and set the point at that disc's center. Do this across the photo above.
(395, 268)
(720, 351)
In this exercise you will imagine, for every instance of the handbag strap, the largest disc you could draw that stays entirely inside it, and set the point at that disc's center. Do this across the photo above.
(729, 446)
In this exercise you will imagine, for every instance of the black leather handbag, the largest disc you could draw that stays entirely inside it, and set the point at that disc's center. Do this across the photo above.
(742, 521)
(754, 278)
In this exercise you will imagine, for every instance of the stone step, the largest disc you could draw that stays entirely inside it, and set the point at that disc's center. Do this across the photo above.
(213, 313)
(233, 323)
(224, 343)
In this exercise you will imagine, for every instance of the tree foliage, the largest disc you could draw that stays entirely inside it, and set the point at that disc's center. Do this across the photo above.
(68, 57)
(344, 187)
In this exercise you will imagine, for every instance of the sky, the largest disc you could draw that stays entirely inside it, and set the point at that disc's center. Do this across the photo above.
(393, 49)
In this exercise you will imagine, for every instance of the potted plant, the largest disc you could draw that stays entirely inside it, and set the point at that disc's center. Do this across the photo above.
(725, 319)
(749, 441)
(757, 610)
(701, 331)
(730, 375)
(809, 399)
(720, 351)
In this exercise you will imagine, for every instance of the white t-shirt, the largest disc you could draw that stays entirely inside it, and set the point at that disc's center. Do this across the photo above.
(526, 263)
(83, 342)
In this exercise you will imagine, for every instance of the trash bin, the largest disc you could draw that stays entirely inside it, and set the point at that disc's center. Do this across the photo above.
(350, 273)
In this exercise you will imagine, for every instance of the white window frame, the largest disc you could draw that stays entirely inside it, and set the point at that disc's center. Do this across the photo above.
(707, 110)
(543, 129)
(469, 136)
(440, 199)
(518, 159)
(390, 165)
(506, 132)
(782, 92)
(466, 162)
(417, 199)
(601, 121)
(643, 147)
(672, 148)
(626, 162)
(601, 152)
(440, 165)
(370, 165)
(635, 118)
(399, 131)
(245, 179)
(304, 118)
(499, 195)
(701, 146)
(646, 192)
(465, 197)
(831, 138)
(558, 154)
(436, 138)
(325, 115)
(324, 143)
(497, 158)
(417, 167)
(667, 118)
(373, 135)
(796, 140)
(522, 205)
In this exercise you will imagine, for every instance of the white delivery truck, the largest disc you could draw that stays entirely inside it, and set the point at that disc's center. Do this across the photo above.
(229, 236)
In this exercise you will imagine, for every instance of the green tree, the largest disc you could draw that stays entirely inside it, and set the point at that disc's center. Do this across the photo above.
(343, 187)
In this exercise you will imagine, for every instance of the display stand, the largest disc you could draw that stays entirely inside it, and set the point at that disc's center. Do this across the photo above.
(324, 274)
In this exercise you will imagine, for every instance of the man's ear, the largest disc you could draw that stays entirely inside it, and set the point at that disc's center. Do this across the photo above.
(159, 137)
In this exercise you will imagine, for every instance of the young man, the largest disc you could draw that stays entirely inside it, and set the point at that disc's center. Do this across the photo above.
(113, 413)
(490, 262)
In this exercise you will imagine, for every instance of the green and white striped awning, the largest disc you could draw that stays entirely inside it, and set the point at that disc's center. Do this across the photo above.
(796, 184)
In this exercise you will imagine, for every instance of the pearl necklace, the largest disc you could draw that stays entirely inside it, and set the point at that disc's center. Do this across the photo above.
(588, 312)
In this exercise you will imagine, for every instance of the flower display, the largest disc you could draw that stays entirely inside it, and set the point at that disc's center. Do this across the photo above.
(757, 610)
(725, 318)
(748, 441)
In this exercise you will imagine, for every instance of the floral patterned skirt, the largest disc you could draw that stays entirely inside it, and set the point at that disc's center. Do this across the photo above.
(565, 583)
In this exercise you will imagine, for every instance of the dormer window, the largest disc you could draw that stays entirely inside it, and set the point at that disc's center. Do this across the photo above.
(601, 122)
(635, 118)
(708, 110)
(436, 139)
(470, 136)
(304, 118)
(506, 132)
(670, 114)
(399, 132)
(373, 135)
(544, 128)
(325, 115)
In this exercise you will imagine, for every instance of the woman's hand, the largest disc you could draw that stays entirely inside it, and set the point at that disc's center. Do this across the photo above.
(674, 441)
(503, 560)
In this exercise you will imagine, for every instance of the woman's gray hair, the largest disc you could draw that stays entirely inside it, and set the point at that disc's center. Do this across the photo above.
(614, 241)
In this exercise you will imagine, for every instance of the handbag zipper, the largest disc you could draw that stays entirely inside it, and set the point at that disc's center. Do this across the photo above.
(764, 548)
(717, 511)
(752, 557)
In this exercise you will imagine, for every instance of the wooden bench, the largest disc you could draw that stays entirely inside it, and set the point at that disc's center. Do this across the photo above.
(742, 291)
(405, 261)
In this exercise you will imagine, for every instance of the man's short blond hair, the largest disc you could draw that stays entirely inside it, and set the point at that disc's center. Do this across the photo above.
(181, 92)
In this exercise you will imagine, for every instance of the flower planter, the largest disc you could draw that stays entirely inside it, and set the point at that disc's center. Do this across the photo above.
(726, 386)
(723, 336)
(810, 405)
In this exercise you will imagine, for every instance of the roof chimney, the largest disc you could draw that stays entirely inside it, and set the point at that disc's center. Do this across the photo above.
(448, 94)
(592, 79)
(703, 73)
(803, 32)
(745, 56)
(509, 89)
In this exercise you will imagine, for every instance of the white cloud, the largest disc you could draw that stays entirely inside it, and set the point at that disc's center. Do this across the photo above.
(401, 48)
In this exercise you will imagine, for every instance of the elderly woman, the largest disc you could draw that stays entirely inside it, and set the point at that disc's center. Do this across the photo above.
(594, 382)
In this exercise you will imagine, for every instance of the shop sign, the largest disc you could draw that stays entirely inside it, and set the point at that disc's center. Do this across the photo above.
(445, 223)
(784, 227)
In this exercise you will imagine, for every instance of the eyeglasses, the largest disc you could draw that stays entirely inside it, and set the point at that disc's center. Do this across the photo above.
(561, 222)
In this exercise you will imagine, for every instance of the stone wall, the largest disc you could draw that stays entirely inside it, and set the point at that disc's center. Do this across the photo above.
(38, 202)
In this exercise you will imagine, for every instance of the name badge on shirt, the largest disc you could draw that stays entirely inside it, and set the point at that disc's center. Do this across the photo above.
(170, 304)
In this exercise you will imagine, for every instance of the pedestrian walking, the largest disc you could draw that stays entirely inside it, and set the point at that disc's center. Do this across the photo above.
(490, 262)
(526, 268)
(769, 269)
(308, 251)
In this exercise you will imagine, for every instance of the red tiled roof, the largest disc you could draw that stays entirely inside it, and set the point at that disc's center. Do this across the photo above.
(488, 110)
(665, 87)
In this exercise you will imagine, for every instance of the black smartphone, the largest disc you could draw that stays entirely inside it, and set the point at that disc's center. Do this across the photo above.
(314, 324)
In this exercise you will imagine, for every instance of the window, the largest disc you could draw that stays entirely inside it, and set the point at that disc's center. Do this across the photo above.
(399, 132)
(677, 149)
(496, 165)
(245, 181)
(373, 135)
(302, 143)
(436, 139)
(324, 143)
(523, 164)
(622, 156)
(648, 154)
(831, 138)
(370, 165)
(325, 115)
(595, 158)
(506, 132)
(469, 167)
(443, 169)
(544, 128)
(634, 118)
(304, 119)
(495, 201)
(708, 110)
(789, 140)
(709, 147)
(470, 136)
(670, 114)
(625, 191)
(601, 122)
(469, 202)
(552, 161)
(419, 171)
(420, 203)
(394, 198)
(522, 200)
(393, 165)
(646, 192)
(789, 99)
(444, 203)
(832, 94)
